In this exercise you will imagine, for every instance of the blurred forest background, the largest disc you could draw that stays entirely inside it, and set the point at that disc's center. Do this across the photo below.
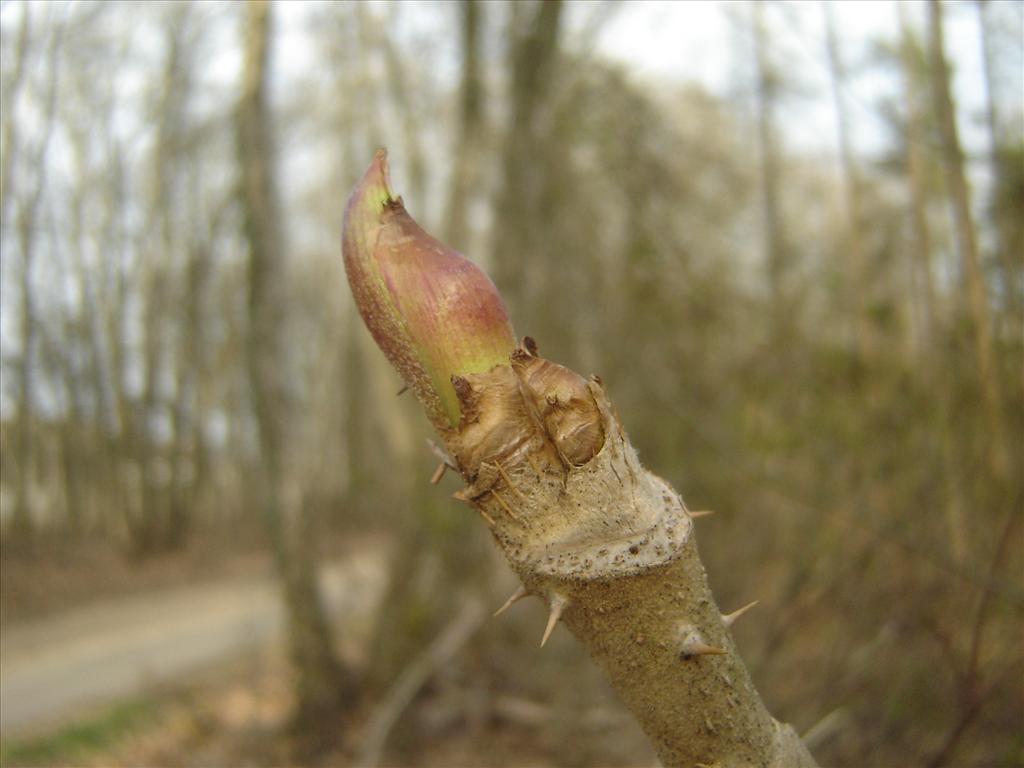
(803, 288)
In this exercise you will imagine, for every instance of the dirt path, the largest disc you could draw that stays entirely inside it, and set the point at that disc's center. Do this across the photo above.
(60, 667)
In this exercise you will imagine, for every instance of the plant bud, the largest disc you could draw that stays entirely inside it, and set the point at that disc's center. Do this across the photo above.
(562, 402)
(432, 311)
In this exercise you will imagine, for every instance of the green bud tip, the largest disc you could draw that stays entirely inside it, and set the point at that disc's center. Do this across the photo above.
(432, 311)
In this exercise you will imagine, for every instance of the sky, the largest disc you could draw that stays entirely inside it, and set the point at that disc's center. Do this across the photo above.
(697, 42)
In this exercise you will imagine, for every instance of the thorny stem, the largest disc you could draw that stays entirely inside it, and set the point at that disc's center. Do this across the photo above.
(608, 546)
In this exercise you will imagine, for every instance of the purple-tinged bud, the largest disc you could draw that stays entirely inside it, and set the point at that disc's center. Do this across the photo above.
(432, 311)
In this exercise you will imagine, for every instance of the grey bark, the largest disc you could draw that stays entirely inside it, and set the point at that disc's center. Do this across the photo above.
(1013, 276)
(321, 684)
(404, 97)
(520, 207)
(916, 159)
(767, 89)
(967, 242)
(857, 289)
(171, 163)
(921, 242)
(470, 128)
(9, 139)
(27, 226)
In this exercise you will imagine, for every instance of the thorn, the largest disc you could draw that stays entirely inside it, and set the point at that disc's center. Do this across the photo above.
(441, 454)
(438, 473)
(402, 391)
(701, 513)
(488, 518)
(693, 644)
(518, 595)
(505, 506)
(558, 604)
(508, 480)
(730, 618)
(701, 649)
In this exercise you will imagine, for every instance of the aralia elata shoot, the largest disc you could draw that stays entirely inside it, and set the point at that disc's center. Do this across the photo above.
(607, 545)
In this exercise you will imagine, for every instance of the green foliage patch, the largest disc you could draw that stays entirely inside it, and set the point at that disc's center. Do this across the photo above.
(81, 739)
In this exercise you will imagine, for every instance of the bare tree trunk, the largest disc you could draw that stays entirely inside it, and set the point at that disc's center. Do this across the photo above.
(404, 99)
(775, 241)
(148, 518)
(967, 244)
(21, 522)
(9, 139)
(187, 471)
(916, 172)
(520, 208)
(84, 387)
(57, 367)
(921, 244)
(468, 151)
(171, 163)
(856, 283)
(1003, 216)
(27, 226)
(322, 686)
(72, 457)
(114, 300)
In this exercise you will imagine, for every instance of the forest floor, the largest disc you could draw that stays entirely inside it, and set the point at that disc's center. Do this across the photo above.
(191, 670)
(238, 715)
(66, 663)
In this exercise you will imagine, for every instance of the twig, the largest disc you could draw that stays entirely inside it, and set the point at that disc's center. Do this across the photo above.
(970, 711)
(972, 696)
(978, 631)
(1002, 588)
(826, 728)
(413, 678)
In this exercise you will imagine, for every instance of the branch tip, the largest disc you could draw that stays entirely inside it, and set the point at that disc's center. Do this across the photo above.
(432, 311)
